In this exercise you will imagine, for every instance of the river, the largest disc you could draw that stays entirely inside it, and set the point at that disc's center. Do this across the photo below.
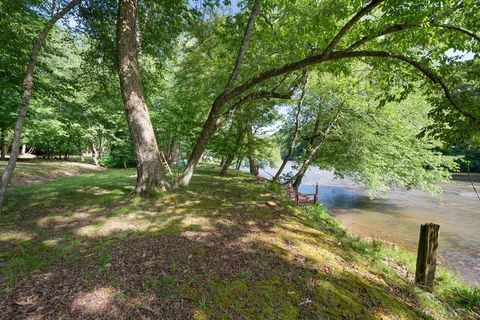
(398, 216)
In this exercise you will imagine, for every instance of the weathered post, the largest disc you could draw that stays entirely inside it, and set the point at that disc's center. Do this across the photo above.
(427, 255)
(297, 198)
(257, 177)
(289, 191)
(315, 196)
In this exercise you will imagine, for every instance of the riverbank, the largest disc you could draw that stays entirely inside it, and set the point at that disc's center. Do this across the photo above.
(397, 216)
(225, 248)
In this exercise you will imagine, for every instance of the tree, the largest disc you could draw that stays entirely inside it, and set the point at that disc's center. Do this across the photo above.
(150, 176)
(385, 21)
(27, 92)
(377, 146)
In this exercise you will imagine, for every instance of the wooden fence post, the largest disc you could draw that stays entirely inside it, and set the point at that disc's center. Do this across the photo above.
(315, 196)
(297, 198)
(289, 191)
(427, 255)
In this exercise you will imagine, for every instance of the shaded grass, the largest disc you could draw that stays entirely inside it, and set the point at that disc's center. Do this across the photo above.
(213, 250)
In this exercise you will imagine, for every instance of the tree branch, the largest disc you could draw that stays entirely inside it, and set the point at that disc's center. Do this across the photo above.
(243, 47)
(338, 55)
(364, 11)
(257, 96)
(405, 26)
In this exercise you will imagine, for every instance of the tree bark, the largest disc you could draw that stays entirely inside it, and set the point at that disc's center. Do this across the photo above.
(227, 164)
(276, 178)
(27, 92)
(253, 165)
(239, 163)
(2, 145)
(231, 156)
(94, 152)
(150, 175)
(208, 130)
(173, 152)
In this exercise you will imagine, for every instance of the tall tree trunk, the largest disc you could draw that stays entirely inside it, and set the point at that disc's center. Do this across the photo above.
(253, 165)
(173, 152)
(150, 175)
(227, 164)
(27, 92)
(239, 163)
(251, 156)
(2, 145)
(94, 152)
(276, 178)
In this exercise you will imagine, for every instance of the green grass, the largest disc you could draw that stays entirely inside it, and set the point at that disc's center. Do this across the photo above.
(214, 250)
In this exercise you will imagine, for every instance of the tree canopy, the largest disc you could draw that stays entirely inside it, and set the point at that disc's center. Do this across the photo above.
(390, 84)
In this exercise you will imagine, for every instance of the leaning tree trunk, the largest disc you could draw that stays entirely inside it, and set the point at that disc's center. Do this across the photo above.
(208, 130)
(27, 92)
(150, 175)
(306, 163)
(276, 178)
(227, 164)
(315, 145)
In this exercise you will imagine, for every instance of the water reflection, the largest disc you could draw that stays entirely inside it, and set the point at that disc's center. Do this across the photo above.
(397, 217)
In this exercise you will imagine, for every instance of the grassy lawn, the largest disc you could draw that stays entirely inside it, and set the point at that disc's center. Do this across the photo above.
(81, 247)
(33, 170)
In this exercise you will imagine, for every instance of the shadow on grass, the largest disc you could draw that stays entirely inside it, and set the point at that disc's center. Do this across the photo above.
(214, 250)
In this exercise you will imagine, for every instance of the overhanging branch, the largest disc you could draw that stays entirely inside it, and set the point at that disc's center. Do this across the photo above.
(338, 55)
(364, 11)
(406, 26)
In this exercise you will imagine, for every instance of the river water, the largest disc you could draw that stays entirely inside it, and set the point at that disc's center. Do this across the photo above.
(398, 216)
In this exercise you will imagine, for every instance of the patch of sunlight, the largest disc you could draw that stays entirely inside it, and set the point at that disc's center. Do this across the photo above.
(52, 242)
(200, 315)
(95, 190)
(94, 302)
(205, 223)
(61, 219)
(320, 255)
(189, 203)
(15, 236)
(112, 225)
(130, 222)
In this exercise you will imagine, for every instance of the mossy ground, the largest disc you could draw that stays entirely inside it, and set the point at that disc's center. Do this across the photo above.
(82, 247)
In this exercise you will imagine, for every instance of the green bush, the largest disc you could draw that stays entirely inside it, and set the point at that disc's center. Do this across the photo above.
(122, 154)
